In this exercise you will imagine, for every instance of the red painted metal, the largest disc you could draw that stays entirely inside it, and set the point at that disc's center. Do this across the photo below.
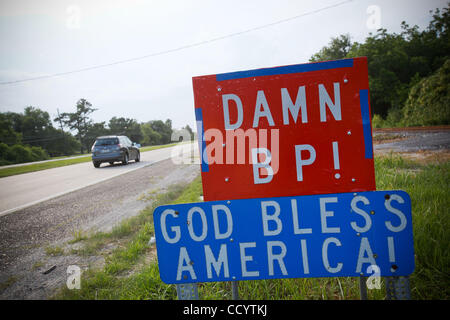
(355, 170)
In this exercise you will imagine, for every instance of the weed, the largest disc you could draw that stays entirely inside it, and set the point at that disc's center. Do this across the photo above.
(78, 235)
(54, 251)
(10, 281)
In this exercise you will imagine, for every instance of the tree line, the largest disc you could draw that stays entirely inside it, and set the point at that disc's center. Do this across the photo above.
(409, 81)
(31, 135)
(409, 72)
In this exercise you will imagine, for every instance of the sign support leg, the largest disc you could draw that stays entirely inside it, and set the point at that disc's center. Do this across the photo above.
(397, 288)
(362, 288)
(235, 290)
(187, 291)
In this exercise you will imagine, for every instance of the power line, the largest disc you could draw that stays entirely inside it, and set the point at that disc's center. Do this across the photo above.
(192, 45)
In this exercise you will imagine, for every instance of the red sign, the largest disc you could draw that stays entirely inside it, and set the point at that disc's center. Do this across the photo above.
(285, 131)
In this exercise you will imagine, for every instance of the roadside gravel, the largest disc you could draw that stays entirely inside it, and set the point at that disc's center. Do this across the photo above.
(25, 234)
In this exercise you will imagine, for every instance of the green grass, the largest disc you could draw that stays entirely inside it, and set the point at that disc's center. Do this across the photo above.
(54, 251)
(133, 235)
(5, 172)
(428, 186)
(150, 148)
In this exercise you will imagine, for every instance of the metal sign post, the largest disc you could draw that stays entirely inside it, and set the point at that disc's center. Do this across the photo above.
(397, 288)
(362, 288)
(187, 291)
(235, 290)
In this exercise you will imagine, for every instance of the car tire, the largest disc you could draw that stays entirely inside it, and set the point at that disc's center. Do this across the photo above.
(125, 158)
(97, 164)
(138, 157)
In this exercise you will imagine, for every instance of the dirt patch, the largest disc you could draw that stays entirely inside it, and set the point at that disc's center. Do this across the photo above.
(422, 156)
(412, 141)
(412, 129)
(388, 137)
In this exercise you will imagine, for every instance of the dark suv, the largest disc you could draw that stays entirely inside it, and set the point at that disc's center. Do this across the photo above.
(114, 148)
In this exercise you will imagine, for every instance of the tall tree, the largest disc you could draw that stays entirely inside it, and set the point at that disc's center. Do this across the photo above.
(164, 129)
(8, 134)
(127, 127)
(34, 128)
(79, 121)
(338, 48)
(95, 130)
(36, 125)
(150, 136)
(396, 61)
(429, 100)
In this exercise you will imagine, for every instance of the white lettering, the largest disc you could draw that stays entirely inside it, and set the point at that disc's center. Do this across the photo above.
(303, 162)
(279, 257)
(324, 99)
(259, 165)
(397, 212)
(184, 264)
(297, 229)
(304, 256)
(391, 249)
(215, 209)
(191, 224)
(288, 106)
(274, 217)
(364, 248)
(336, 155)
(226, 111)
(325, 260)
(324, 214)
(362, 213)
(222, 260)
(245, 259)
(262, 102)
(175, 229)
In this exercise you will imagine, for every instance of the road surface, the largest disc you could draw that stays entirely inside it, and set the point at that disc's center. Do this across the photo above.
(26, 234)
(414, 139)
(24, 190)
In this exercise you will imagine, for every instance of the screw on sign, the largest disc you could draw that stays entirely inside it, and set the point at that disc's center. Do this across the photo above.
(285, 131)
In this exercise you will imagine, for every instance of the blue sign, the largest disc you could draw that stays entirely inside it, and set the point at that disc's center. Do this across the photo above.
(332, 235)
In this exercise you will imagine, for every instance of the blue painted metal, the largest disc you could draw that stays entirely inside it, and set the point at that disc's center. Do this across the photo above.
(201, 140)
(297, 68)
(367, 130)
(324, 222)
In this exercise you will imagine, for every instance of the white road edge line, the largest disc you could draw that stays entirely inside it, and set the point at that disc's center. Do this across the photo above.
(6, 212)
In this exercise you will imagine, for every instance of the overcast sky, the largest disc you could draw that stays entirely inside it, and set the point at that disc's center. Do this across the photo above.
(44, 37)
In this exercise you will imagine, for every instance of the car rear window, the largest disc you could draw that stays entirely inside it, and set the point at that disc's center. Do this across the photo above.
(106, 142)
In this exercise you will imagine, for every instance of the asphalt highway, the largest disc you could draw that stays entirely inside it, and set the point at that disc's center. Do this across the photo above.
(24, 190)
